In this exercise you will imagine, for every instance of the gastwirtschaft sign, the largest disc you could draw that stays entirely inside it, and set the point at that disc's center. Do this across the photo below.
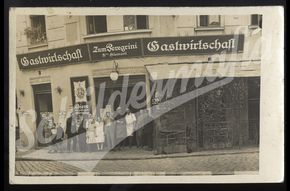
(54, 57)
(193, 45)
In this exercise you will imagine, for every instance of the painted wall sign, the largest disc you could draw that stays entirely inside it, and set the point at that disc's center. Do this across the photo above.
(54, 57)
(159, 46)
(193, 45)
(80, 95)
(115, 49)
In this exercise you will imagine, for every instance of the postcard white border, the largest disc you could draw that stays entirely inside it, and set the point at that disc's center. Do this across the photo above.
(271, 163)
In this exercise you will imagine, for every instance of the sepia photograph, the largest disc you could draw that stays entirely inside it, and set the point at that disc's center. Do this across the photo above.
(140, 93)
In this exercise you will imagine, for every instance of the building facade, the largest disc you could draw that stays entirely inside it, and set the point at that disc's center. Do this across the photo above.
(55, 54)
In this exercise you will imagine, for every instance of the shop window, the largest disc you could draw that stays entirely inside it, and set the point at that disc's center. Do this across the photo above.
(209, 21)
(256, 20)
(96, 24)
(133, 22)
(112, 87)
(254, 109)
(36, 34)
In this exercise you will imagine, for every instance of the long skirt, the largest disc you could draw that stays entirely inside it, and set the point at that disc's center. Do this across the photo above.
(110, 136)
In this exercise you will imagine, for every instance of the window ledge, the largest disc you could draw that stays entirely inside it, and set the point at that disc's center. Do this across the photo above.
(209, 28)
(37, 45)
(116, 33)
(253, 26)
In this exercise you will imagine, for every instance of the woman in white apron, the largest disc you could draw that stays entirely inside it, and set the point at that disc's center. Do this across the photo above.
(91, 139)
(99, 133)
(130, 123)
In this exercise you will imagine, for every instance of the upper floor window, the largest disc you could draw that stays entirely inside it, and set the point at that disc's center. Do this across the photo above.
(135, 22)
(96, 24)
(256, 20)
(209, 21)
(37, 32)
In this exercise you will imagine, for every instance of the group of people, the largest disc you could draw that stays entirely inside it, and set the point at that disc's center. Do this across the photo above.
(113, 131)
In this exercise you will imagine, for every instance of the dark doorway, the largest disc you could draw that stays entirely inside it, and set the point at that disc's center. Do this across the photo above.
(44, 111)
(125, 88)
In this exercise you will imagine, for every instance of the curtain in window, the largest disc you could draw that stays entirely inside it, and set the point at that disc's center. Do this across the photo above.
(96, 24)
(209, 20)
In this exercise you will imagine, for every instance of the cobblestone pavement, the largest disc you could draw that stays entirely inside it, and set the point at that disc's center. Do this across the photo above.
(45, 168)
(214, 163)
(209, 164)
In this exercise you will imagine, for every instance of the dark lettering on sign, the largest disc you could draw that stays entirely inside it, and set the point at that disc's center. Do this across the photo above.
(193, 45)
(115, 49)
(54, 57)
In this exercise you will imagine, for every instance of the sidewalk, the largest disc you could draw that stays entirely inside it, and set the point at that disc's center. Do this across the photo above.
(227, 162)
(127, 154)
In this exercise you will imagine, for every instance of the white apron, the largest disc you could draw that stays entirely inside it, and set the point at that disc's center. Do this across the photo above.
(90, 133)
(99, 132)
(130, 119)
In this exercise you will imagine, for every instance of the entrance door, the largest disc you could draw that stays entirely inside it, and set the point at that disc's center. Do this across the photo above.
(214, 128)
(177, 130)
(222, 116)
(44, 111)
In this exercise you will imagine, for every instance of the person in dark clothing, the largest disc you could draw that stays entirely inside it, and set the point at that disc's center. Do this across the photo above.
(109, 130)
(121, 131)
(189, 139)
(71, 133)
(148, 130)
(82, 135)
(139, 128)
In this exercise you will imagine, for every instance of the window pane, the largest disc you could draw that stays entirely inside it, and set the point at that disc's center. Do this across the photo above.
(142, 22)
(96, 24)
(38, 29)
(90, 25)
(254, 19)
(100, 23)
(129, 22)
(38, 22)
(44, 102)
(214, 20)
(203, 20)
